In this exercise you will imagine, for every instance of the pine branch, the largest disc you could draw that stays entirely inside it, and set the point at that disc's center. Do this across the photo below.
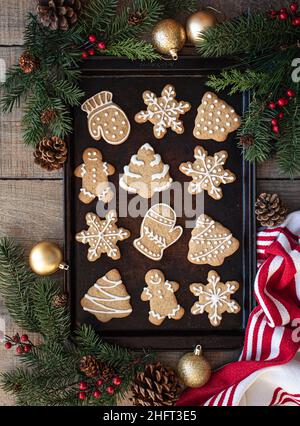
(133, 49)
(236, 80)
(16, 282)
(97, 15)
(247, 35)
(172, 7)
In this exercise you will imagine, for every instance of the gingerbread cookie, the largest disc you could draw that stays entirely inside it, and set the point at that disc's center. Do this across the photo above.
(215, 119)
(94, 173)
(146, 173)
(102, 236)
(107, 298)
(106, 119)
(160, 293)
(215, 298)
(210, 242)
(207, 173)
(163, 112)
(158, 231)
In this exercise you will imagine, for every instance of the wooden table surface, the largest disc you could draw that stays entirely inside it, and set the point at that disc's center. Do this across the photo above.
(31, 200)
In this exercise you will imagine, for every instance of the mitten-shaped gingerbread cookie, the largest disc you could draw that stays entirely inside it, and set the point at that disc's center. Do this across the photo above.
(160, 293)
(158, 231)
(106, 119)
(94, 173)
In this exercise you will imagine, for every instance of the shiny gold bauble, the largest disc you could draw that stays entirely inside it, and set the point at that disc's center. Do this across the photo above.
(45, 258)
(198, 23)
(193, 369)
(168, 37)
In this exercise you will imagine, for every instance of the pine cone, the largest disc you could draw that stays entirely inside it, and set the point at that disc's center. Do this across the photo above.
(106, 372)
(60, 300)
(27, 62)
(59, 14)
(269, 210)
(156, 386)
(135, 18)
(51, 153)
(48, 115)
(247, 140)
(89, 366)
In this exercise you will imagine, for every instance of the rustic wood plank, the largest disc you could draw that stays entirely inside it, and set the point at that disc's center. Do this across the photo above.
(31, 210)
(270, 170)
(12, 20)
(288, 190)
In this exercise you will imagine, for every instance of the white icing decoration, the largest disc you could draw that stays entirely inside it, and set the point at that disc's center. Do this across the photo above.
(131, 174)
(156, 160)
(147, 147)
(161, 174)
(136, 161)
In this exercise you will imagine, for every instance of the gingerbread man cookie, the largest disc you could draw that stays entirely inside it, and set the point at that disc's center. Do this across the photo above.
(102, 236)
(215, 119)
(106, 119)
(215, 298)
(160, 293)
(107, 298)
(158, 231)
(94, 173)
(163, 112)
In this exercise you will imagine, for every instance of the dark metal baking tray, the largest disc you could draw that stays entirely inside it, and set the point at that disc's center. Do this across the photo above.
(127, 80)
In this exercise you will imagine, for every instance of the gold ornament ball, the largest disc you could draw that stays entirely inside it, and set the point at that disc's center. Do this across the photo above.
(193, 369)
(45, 258)
(168, 37)
(198, 23)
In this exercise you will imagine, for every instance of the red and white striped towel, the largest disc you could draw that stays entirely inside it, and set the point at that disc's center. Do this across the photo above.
(268, 371)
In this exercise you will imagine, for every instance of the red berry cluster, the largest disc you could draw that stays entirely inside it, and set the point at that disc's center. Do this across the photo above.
(287, 13)
(281, 102)
(93, 42)
(22, 343)
(97, 387)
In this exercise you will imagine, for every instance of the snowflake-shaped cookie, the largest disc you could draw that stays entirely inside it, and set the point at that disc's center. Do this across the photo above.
(207, 173)
(163, 112)
(215, 298)
(210, 242)
(102, 236)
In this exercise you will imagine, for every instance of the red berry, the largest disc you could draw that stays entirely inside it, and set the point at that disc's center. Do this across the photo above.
(294, 7)
(282, 102)
(272, 105)
(275, 129)
(24, 338)
(273, 13)
(92, 38)
(8, 345)
(283, 16)
(110, 390)
(19, 350)
(82, 395)
(274, 122)
(97, 394)
(83, 386)
(84, 55)
(101, 45)
(296, 22)
(16, 338)
(281, 114)
(117, 381)
(27, 348)
(291, 93)
(91, 52)
(100, 382)
(283, 10)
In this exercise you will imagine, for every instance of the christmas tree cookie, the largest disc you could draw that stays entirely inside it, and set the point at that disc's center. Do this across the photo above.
(215, 298)
(108, 298)
(106, 119)
(210, 242)
(215, 119)
(146, 173)
(102, 236)
(158, 231)
(94, 173)
(160, 293)
(207, 173)
(163, 111)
